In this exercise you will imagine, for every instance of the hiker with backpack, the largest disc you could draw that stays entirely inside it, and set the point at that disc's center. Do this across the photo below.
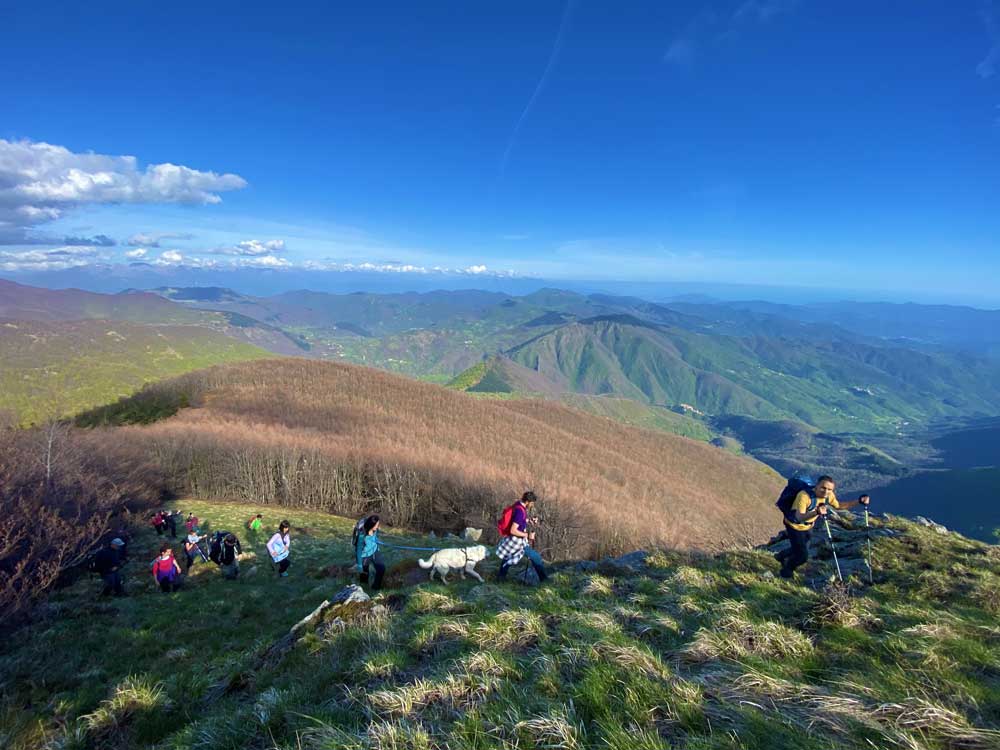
(802, 503)
(229, 560)
(192, 548)
(515, 539)
(277, 548)
(170, 519)
(159, 523)
(108, 563)
(217, 546)
(166, 571)
(191, 523)
(366, 544)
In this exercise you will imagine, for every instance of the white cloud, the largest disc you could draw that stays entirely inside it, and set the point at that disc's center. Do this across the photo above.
(266, 261)
(987, 68)
(252, 248)
(171, 256)
(762, 10)
(402, 268)
(710, 27)
(136, 254)
(40, 182)
(55, 259)
(153, 239)
(680, 51)
(101, 240)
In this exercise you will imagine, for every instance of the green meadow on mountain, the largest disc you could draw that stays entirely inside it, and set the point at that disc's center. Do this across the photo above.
(58, 369)
(673, 650)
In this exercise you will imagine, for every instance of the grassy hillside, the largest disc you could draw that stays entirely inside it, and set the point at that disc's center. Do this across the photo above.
(681, 652)
(344, 437)
(38, 304)
(57, 369)
(835, 385)
(501, 375)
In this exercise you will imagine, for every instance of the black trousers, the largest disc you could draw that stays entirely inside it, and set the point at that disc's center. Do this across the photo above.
(283, 566)
(798, 554)
(379, 565)
(112, 584)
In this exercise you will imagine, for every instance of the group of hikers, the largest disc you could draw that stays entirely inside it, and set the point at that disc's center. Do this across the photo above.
(515, 542)
(224, 549)
(802, 504)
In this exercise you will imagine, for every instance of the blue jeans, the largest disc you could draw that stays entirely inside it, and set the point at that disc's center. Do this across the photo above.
(536, 562)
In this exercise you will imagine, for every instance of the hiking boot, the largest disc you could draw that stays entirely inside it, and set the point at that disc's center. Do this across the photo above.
(283, 575)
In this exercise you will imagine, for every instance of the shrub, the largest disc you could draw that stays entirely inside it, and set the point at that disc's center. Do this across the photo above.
(62, 490)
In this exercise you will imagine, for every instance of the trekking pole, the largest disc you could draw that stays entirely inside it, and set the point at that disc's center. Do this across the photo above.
(833, 548)
(868, 539)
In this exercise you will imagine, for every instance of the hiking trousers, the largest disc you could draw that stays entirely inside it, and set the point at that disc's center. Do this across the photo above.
(798, 554)
(533, 557)
(112, 584)
(377, 562)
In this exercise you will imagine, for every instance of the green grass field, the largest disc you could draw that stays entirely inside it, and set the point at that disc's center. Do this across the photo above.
(59, 369)
(690, 652)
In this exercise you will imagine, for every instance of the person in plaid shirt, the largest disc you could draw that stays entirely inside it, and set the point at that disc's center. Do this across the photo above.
(515, 541)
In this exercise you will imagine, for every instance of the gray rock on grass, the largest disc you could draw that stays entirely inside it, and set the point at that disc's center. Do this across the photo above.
(350, 593)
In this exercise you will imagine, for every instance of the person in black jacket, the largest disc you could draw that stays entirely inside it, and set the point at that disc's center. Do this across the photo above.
(108, 563)
(229, 559)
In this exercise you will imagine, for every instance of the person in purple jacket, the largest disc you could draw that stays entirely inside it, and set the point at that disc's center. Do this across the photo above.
(516, 540)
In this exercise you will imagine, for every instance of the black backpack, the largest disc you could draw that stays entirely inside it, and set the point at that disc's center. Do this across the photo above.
(359, 529)
(796, 483)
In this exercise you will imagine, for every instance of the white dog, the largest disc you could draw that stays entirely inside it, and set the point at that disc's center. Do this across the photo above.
(463, 560)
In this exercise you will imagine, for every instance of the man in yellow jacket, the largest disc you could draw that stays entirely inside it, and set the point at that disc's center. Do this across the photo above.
(807, 507)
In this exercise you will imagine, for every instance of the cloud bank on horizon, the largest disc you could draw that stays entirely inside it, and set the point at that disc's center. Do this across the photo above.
(41, 183)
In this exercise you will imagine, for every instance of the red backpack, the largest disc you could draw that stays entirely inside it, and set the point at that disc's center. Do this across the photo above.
(506, 519)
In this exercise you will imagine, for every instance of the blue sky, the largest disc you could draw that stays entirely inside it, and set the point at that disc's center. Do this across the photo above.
(828, 145)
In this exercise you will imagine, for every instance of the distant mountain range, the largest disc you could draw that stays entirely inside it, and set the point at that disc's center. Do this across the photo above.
(854, 385)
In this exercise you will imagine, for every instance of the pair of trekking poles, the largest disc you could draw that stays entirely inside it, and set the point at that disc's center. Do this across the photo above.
(833, 547)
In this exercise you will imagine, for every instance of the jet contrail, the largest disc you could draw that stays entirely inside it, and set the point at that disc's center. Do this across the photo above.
(553, 57)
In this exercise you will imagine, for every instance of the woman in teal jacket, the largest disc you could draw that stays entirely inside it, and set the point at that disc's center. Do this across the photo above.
(367, 551)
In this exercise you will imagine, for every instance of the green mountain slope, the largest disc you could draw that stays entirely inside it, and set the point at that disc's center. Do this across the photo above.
(500, 375)
(835, 386)
(58, 369)
(671, 651)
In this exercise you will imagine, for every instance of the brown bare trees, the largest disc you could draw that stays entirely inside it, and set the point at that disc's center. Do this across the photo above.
(60, 489)
(349, 439)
